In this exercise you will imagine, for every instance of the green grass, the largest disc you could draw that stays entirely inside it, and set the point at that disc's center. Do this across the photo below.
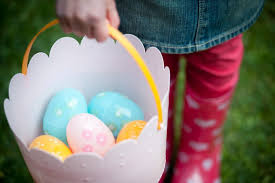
(249, 149)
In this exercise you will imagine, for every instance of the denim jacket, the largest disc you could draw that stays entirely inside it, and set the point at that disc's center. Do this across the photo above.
(185, 26)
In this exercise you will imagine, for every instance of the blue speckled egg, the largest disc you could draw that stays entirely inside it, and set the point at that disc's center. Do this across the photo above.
(61, 108)
(115, 110)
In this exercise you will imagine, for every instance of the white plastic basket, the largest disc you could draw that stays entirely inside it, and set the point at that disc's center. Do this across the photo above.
(91, 67)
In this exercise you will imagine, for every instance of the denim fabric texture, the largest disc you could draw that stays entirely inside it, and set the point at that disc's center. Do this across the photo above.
(186, 26)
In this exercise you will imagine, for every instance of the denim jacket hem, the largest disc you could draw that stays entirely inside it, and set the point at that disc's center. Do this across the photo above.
(177, 49)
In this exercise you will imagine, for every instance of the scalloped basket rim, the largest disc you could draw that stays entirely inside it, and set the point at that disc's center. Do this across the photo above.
(83, 41)
(8, 101)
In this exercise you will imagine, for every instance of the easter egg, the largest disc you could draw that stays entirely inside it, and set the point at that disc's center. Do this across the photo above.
(115, 110)
(86, 133)
(131, 130)
(52, 145)
(61, 108)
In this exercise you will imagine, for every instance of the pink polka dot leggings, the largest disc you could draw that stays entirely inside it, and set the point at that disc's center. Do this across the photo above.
(211, 77)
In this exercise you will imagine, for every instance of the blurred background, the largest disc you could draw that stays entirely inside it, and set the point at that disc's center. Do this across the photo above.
(249, 144)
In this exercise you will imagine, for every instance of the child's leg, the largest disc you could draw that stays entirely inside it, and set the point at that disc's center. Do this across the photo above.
(172, 61)
(211, 77)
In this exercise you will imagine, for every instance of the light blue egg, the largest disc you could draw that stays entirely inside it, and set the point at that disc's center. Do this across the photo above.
(115, 110)
(61, 108)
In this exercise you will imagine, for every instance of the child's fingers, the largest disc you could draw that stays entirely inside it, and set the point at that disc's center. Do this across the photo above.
(100, 31)
(87, 17)
(96, 23)
(112, 14)
(61, 15)
(65, 25)
(79, 24)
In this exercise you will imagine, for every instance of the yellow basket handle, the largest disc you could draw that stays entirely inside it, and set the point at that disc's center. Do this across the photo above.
(115, 34)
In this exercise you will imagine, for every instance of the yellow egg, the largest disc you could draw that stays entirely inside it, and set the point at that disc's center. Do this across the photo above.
(52, 145)
(131, 130)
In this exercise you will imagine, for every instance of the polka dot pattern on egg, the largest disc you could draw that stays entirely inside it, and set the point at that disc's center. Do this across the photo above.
(86, 133)
(62, 107)
(101, 139)
(52, 145)
(131, 130)
(88, 148)
(115, 110)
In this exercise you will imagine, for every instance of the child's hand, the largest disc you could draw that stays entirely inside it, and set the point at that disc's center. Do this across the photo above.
(87, 17)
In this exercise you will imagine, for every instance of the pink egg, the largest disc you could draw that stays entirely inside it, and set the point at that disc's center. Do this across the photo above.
(86, 133)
